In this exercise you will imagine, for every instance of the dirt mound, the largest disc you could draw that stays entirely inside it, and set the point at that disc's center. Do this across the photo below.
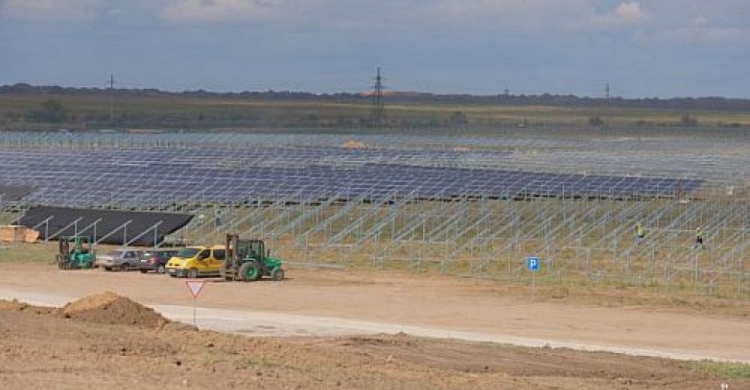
(110, 308)
(351, 144)
(14, 305)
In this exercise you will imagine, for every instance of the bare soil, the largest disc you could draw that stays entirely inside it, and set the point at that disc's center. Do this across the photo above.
(110, 341)
(110, 308)
(40, 348)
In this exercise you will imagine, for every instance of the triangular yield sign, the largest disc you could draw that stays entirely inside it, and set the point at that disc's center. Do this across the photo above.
(195, 287)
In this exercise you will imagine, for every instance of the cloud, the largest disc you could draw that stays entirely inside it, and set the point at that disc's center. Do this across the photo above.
(636, 20)
(664, 23)
(50, 10)
(625, 15)
(688, 22)
(629, 12)
(220, 11)
(693, 34)
(521, 15)
(542, 16)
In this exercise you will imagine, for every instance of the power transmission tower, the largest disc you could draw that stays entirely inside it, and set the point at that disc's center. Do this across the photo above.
(378, 103)
(606, 91)
(606, 103)
(111, 99)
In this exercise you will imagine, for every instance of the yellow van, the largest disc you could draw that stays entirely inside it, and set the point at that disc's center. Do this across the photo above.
(195, 261)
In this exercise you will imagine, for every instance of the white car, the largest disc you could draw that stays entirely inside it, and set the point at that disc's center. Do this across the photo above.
(122, 259)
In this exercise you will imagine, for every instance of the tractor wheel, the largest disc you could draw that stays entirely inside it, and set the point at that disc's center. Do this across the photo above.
(192, 273)
(249, 272)
(160, 269)
(277, 274)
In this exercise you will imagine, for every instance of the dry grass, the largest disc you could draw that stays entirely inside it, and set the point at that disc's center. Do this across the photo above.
(245, 112)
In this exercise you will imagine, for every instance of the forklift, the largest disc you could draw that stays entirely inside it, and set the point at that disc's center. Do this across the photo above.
(248, 261)
(80, 256)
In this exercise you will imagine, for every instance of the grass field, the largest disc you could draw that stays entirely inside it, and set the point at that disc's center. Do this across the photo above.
(720, 369)
(91, 111)
(42, 253)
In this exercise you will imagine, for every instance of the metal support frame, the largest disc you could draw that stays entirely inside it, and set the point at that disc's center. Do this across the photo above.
(153, 227)
(122, 227)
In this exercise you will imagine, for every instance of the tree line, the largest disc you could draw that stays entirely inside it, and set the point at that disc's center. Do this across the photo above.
(683, 103)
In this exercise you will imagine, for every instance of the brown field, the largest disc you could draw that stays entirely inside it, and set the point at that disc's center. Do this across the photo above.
(64, 349)
(44, 350)
(145, 111)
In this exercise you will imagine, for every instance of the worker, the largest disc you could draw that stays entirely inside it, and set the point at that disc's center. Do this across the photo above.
(218, 217)
(699, 238)
(640, 233)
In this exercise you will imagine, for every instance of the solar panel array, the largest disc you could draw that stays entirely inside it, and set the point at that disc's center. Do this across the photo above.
(160, 176)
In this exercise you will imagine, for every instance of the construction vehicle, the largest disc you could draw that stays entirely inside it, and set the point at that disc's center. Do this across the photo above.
(248, 261)
(80, 256)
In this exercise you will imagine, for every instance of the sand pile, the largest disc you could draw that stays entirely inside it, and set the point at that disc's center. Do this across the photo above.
(15, 305)
(110, 308)
(351, 144)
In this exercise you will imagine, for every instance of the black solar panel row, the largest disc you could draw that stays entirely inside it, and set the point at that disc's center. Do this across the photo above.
(109, 226)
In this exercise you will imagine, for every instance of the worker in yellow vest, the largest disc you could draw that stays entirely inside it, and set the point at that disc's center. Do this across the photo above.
(640, 233)
(699, 239)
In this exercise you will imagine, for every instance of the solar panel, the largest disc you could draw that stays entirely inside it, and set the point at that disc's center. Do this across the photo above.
(155, 176)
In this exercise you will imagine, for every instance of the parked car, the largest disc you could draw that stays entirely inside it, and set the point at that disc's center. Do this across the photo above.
(122, 259)
(156, 259)
(195, 261)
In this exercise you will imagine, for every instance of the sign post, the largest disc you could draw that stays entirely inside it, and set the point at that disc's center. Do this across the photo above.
(532, 264)
(195, 287)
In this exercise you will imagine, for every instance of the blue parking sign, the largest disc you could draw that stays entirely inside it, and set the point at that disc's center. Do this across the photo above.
(532, 263)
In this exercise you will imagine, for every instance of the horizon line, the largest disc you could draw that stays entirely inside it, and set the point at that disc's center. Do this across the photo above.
(367, 93)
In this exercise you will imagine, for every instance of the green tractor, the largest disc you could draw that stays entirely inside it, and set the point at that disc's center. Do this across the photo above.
(248, 261)
(80, 256)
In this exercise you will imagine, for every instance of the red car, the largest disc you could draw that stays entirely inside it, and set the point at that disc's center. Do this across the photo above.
(156, 259)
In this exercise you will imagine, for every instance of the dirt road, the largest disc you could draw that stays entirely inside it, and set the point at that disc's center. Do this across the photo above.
(109, 342)
(320, 301)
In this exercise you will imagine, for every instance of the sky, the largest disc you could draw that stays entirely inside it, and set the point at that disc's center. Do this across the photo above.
(645, 48)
